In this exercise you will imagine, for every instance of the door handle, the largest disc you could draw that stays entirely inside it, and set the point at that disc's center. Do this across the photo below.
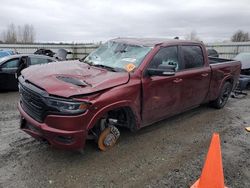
(177, 80)
(204, 74)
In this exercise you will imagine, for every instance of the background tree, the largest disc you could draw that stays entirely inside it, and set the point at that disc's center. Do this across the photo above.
(192, 36)
(9, 35)
(21, 34)
(240, 36)
(28, 34)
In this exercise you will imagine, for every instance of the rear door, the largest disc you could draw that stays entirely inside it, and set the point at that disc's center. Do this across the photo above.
(8, 70)
(161, 94)
(195, 76)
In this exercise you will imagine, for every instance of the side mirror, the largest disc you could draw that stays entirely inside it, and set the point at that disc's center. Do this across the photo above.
(162, 70)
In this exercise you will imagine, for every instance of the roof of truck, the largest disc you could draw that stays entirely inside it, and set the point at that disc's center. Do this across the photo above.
(150, 42)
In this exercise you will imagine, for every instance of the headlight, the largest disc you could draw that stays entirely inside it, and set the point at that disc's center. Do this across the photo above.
(68, 106)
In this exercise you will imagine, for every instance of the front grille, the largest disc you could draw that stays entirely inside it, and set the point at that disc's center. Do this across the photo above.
(32, 103)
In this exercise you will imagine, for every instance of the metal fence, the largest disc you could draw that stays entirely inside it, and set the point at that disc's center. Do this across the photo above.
(225, 50)
(229, 49)
(77, 50)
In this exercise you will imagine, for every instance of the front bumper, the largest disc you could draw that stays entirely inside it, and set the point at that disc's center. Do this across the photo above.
(67, 138)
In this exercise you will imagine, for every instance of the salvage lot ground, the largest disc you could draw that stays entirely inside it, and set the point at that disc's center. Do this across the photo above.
(167, 154)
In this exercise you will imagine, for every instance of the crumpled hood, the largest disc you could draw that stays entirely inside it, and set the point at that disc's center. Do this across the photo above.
(70, 78)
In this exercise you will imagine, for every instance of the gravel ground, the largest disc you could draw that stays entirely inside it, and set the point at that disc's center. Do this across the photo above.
(170, 153)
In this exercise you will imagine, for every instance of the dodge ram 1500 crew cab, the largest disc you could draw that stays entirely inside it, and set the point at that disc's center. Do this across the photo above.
(126, 82)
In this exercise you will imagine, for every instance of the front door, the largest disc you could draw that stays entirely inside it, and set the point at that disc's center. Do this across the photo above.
(161, 94)
(8, 71)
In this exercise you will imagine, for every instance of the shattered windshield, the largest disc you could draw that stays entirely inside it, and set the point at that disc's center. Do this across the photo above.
(117, 56)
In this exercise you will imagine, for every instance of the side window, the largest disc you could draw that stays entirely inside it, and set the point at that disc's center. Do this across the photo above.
(11, 64)
(192, 57)
(37, 60)
(165, 56)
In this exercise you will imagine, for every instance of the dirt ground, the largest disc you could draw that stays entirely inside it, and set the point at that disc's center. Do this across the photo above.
(167, 154)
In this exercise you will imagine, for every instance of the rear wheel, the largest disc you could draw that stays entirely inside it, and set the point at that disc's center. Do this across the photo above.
(223, 97)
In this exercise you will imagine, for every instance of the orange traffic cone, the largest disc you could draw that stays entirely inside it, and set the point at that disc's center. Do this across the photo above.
(212, 173)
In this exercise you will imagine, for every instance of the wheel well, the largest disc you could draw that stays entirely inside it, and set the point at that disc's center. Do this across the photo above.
(124, 116)
(230, 80)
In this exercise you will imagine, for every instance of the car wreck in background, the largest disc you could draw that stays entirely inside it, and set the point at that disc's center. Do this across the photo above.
(12, 65)
(46, 52)
(61, 54)
(5, 52)
(244, 80)
(126, 82)
(212, 53)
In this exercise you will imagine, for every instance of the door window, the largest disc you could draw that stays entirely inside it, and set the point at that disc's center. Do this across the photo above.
(11, 64)
(37, 60)
(192, 57)
(165, 56)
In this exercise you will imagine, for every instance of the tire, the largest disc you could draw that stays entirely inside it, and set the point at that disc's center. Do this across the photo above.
(223, 96)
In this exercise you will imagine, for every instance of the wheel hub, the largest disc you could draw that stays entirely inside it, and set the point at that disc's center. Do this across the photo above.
(108, 138)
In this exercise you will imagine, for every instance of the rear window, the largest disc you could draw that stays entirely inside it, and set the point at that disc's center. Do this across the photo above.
(192, 57)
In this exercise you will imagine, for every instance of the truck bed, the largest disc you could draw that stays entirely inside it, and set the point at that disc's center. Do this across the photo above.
(215, 60)
(222, 69)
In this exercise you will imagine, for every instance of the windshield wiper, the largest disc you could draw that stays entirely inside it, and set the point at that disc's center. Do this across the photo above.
(114, 69)
(105, 67)
(86, 61)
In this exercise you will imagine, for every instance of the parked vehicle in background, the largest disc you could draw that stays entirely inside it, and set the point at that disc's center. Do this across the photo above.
(60, 55)
(46, 52)
(126, 82)
(244, 80)
(12, 65)
(244, 58)
(212, 53)
(4, 53)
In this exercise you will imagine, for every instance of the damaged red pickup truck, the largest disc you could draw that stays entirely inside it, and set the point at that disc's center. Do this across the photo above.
(126, 82)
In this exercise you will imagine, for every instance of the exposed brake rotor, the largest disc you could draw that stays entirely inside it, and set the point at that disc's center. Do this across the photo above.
(108, 138)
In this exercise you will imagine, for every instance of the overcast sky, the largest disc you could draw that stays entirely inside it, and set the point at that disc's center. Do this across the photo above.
(100, 20)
